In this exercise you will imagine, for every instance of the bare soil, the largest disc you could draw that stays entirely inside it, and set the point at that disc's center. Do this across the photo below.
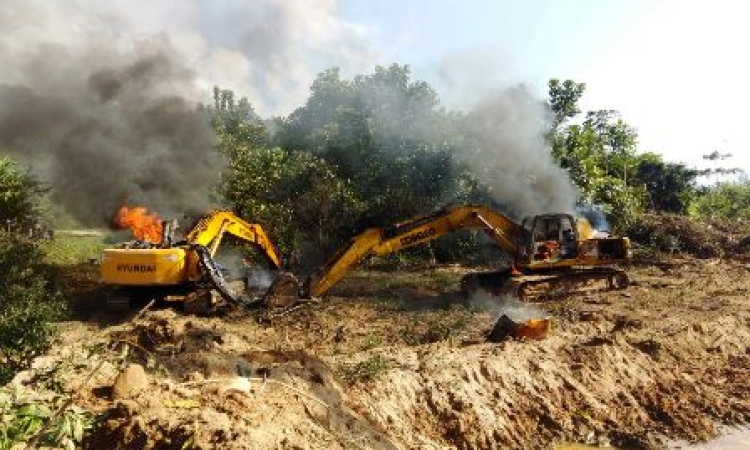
(398, 360)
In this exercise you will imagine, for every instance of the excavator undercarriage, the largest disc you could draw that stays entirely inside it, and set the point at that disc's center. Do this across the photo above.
(544, 286)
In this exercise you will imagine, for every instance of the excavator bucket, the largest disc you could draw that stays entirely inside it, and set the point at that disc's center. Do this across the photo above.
(283, 291)
(505, 327)
(535, 329)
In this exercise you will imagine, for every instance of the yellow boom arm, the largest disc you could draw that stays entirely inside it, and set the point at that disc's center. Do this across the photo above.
(380, 241)
(211, 228)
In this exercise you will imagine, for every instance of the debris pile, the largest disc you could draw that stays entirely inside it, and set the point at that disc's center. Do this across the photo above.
(671, 233)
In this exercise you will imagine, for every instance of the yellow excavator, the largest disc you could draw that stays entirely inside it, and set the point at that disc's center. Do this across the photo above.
(180, 270)
(547, 251)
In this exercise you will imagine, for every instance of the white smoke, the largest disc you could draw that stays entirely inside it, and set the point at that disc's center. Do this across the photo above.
(465, 79)
(506, 304)
(511, 156)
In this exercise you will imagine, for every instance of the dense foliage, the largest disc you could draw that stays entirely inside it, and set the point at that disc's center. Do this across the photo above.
(359, 153)
(25, 415)
(20, 195)
(599, 151)
(379, 148)
(27, 307)
(726, 201)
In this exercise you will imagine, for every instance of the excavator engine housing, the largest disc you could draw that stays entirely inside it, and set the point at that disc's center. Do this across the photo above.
(144, 267)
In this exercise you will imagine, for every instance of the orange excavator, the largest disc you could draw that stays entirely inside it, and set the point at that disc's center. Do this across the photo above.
(547, 251)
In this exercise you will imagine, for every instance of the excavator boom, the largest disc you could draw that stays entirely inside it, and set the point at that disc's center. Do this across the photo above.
(545, 249)
(381, 241)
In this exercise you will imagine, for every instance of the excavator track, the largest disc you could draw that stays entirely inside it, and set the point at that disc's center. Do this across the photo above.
(542, 286)
(547, 287)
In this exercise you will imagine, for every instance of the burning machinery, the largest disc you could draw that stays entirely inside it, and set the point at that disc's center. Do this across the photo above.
(159, 264)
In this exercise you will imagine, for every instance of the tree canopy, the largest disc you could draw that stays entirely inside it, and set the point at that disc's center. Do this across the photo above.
(20, 195)
(380, 147)
(600, 152)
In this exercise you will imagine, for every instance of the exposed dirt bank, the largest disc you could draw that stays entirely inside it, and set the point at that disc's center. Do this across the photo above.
(394, 360)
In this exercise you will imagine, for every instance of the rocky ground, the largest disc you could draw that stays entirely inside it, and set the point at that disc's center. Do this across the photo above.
(397, 359)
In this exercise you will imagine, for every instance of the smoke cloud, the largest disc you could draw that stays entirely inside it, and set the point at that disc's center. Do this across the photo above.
(507, 305)
(104, 136)
(100, 97)
(508, 152)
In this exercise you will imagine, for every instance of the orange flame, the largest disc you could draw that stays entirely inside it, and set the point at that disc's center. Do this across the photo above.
(146, 226)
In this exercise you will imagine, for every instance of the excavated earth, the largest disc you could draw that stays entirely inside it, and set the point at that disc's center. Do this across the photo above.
(397, 360)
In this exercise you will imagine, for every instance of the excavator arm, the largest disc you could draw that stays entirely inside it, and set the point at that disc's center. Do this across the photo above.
(211, 228)
(206, 236)
(380, 241)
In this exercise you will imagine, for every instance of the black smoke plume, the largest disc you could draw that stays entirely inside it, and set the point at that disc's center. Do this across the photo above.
(111, 132)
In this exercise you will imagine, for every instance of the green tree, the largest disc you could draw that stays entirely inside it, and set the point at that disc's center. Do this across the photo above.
(671, 187)
(383, 132)
(27, 306)
(719, 170)
(20, 196)
(728, 201)
(563, 99)
(599, 151)
(235, 122)
(296, 195)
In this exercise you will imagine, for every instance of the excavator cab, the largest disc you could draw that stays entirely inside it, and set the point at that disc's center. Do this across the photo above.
(552, 237)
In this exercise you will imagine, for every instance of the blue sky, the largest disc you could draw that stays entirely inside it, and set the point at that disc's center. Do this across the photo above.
(676, 70)
(537, 38)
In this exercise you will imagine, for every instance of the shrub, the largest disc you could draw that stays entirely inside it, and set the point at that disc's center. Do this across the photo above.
(724, 201)
(367, 370)
(20, 195)
(23, 417)
(27, 307)
(673, 233)
(441, 326)
(295, 194)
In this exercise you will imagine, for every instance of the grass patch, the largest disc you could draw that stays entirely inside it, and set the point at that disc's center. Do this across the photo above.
(392, 305)
(368, 282)
(367, 370)
(441, 326)
(372, 340)
(69, 250)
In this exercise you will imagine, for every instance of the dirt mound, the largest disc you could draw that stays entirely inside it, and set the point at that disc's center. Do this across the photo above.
(668, 357)
(211, 389)
(295, 404)
(679, 234)
(603, 389)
